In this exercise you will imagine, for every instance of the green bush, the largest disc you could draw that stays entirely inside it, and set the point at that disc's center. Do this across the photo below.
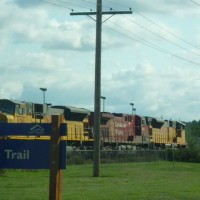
(184, 155)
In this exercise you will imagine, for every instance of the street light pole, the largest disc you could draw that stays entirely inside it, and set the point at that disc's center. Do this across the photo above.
(43, 90)
(103, 98)
(132, 104)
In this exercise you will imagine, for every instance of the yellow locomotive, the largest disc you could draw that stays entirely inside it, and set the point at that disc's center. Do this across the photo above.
(163, 133)
(22, 112)
(78, 133)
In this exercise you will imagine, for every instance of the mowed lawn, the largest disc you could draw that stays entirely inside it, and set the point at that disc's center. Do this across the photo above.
(124, 181)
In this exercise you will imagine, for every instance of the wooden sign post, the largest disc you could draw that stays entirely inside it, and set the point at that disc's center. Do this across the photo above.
(55, 184)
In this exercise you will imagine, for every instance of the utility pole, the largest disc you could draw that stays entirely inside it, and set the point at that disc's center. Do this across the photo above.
(97, 95)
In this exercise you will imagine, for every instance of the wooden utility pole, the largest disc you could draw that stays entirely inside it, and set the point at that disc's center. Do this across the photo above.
(55, 184)
(97, 95)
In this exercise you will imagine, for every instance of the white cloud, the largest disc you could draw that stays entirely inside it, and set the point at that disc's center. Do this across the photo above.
(11, 89)
(156, 91)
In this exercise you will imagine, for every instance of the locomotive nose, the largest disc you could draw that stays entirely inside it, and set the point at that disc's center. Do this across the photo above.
(3, 118)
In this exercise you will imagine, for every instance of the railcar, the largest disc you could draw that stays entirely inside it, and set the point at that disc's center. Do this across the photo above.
(79, 134)
(163, 133)
(12, 111)
(133, 132)
(118, 130)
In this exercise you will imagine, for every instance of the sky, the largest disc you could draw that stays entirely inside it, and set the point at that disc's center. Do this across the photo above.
(150, 58)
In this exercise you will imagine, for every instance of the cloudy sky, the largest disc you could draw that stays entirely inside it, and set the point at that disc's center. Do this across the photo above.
(150, 58)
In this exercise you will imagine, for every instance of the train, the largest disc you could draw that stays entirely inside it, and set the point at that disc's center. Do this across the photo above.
(118, 131)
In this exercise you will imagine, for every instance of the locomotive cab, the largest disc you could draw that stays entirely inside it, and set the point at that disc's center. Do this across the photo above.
(12, 111)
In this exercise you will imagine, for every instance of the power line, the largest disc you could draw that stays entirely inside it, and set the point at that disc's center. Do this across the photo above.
(54, 4)
(88, 2)
(161, 27)
(163, 38)
(62, 4)
(153, 46)
(166, 30)
(67, 2)
(142, 41)
(157, 47)
(73, 4)
(119, 4)
(195, 2)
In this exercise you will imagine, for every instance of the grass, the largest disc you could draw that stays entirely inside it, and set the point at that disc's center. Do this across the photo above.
(124, 181)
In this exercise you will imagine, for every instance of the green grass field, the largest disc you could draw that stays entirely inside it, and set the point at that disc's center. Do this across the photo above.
(124, 181)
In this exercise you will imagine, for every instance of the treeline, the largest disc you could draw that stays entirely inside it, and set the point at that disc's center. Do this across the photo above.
(192, 152)
(193, 134)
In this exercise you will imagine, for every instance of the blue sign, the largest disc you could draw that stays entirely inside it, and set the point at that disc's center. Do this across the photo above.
(29, 129)
(29, 154)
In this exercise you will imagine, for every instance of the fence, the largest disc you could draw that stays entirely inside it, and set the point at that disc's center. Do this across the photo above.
(86, 156)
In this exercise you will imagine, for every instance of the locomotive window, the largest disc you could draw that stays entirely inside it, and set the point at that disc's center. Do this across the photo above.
(179, 133)
(104, 121)
(7, 107)
(144, 122)
(19, 110)
(29, 108)
(38, 108)
(149, 121)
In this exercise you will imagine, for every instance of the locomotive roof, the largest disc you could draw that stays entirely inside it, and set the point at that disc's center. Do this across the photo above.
(159, 120)
(107, 115)
(12, 101)
(182, 123)
(121, 114)
(72, 109)
(55, 111)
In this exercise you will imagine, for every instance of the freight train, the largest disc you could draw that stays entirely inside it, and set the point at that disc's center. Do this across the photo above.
(117, 130)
